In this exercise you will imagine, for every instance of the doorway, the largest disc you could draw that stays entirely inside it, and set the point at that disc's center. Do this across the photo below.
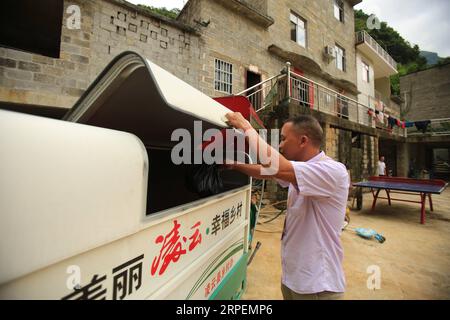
(388, 149)
(254, 95)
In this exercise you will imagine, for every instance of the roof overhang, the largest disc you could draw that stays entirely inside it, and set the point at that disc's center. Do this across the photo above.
(354, 2)
(250, 12)
(309, 65)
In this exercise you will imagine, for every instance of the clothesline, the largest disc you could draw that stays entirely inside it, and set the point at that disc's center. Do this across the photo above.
(391, 121)
(437, 120)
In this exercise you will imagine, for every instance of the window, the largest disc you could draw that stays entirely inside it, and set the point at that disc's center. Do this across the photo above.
(340, 58)
(298, 30)
(223, 80)
(23, 27)
(339, 10)
(365, 72)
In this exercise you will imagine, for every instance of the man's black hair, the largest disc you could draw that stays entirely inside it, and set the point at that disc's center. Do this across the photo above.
(310, 127)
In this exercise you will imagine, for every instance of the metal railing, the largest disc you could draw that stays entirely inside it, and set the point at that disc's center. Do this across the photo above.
(266, 93)
(363, 36)
(310, 94)
(436, 127)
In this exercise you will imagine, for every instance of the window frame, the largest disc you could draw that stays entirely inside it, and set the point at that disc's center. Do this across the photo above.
(366, 72)
(338, 48)
(223, 76)
(338, 9)
(297, 18)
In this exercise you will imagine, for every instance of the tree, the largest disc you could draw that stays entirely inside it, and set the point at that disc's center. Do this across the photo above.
(172, 14)
(443, 61)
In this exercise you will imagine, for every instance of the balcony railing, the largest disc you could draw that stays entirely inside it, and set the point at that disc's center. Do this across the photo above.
(437, 127)
(310, 94)
(363, 36)
(265, 94)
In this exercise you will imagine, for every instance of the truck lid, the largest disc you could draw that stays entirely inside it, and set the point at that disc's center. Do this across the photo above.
(135, 95)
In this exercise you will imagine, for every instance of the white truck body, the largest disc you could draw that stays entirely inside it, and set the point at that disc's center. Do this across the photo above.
(76, 198)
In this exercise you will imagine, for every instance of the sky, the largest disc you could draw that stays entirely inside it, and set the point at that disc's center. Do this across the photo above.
(425, 23)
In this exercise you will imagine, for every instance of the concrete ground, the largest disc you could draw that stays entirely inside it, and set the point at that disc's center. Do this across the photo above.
(414, 261)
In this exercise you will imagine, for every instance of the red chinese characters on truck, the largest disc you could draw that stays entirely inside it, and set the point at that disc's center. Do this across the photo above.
(218, 277)
(173, 247)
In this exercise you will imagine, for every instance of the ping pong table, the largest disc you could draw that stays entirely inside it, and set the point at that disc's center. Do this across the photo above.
(424, 188)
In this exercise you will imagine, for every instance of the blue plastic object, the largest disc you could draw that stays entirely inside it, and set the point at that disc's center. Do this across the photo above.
(365, 233)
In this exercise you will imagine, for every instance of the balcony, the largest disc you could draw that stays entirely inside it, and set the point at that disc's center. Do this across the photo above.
(306, 93)
(384, 64)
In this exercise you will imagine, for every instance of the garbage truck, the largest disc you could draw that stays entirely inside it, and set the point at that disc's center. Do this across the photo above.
(92, 207)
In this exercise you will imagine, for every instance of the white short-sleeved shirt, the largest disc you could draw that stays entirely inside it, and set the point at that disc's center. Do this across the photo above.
(311, 250)
(381, 168)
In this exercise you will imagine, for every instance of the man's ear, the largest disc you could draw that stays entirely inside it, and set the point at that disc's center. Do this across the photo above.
(303, 140)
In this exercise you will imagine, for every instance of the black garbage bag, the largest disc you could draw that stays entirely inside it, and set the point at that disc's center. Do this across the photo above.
(204, 179)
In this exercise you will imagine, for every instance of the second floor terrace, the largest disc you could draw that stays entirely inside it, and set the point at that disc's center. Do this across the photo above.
(290, 88)
(384, 64)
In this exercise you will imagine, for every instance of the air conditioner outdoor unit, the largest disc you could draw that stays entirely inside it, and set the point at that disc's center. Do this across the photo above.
(329, 52)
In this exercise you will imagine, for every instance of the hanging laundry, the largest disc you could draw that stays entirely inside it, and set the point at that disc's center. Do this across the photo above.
(379, 105)
(380, 117)
(386, 118)
(422, 125)
(403, 124)
(370, 112)
(391, 122)
(399, 123)
(409, 124)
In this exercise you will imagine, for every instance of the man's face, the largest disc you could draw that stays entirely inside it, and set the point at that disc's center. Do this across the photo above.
(382, 159)
(291, 146)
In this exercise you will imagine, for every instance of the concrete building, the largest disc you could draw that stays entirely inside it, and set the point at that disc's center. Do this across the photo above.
(426, 96)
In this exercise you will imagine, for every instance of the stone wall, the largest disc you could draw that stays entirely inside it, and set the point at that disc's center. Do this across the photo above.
(360, 156)
(185, 47)
(107, 29)
(260, 5)
(232, 37)
(118, 29)
(239, 40)
(28, 78)
(426, 93)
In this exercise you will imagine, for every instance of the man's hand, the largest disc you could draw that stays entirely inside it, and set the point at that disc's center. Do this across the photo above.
(236, 120)
(283, 168)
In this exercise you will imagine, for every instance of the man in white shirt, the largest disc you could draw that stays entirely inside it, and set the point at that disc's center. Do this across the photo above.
(311, 250)
(381, 167)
